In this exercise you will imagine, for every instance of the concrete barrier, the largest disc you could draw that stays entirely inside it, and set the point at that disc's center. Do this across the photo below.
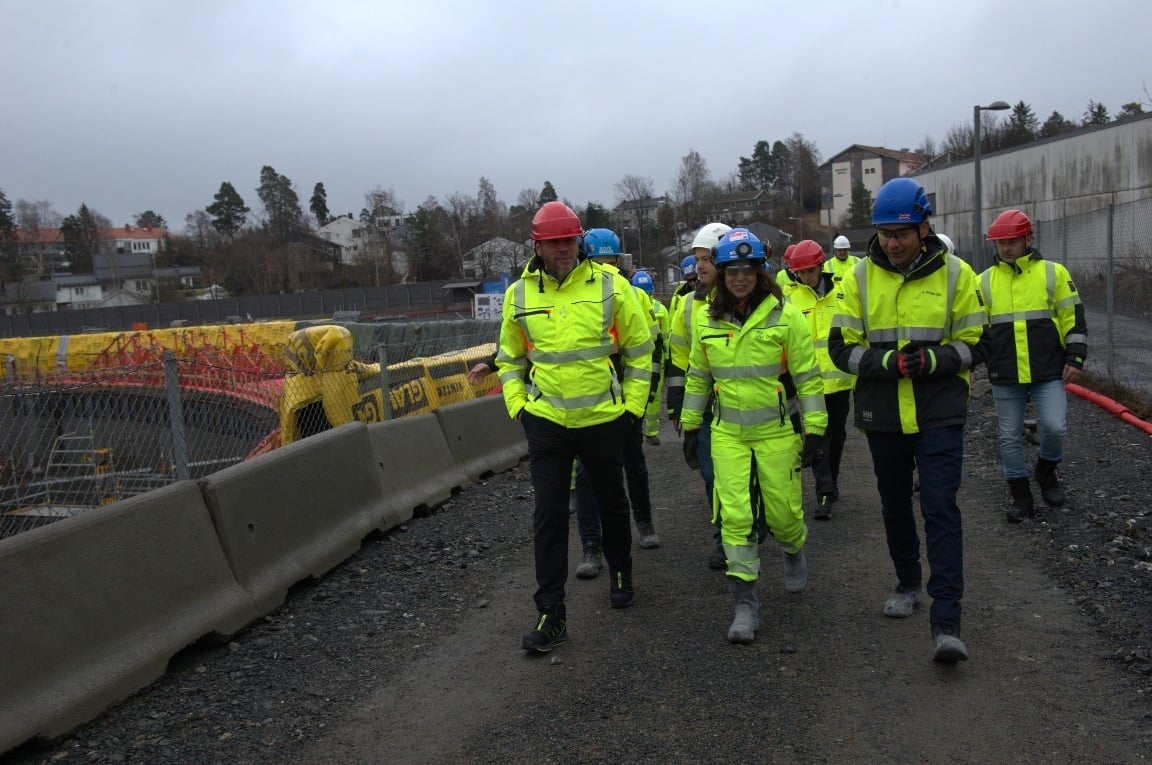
(482, 437)
(296, 512)
(417, 468)
(93, 607)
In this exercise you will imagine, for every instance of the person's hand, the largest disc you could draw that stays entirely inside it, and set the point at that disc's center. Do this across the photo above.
(478, 373)
(1073, 368)
(915, 361)
(813, 451)
(691, 442)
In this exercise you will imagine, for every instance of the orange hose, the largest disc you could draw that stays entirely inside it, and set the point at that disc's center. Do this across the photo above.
(1111, 406)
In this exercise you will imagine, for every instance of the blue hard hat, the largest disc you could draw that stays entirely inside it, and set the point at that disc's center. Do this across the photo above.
(643, 280)
(738, 245)
(900, 200)
(688, 267)
(601, 243)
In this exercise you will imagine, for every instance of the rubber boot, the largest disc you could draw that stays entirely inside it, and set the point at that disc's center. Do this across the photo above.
(1049, 483)
(747, 621)
(1022, 506)
(795, 572)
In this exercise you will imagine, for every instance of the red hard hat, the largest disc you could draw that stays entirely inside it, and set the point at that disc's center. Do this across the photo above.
(788, 256)
(1011, 224)
(808, 254)
(555, 220)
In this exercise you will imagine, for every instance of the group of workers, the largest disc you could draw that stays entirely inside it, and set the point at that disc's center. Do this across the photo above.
(761, 372)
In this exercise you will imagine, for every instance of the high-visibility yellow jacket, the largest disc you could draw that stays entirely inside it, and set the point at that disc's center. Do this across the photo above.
(741, 364)
(880, 310)
(819, 310)
(557, 340)
(1036, 320)
(837, 267)
(680, 343)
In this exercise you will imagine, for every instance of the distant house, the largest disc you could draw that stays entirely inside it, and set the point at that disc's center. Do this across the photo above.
(738, 208)
(350, 235)
(494, 257)
(28, 296)
(630, 212)
(41, 250)
(874, 165)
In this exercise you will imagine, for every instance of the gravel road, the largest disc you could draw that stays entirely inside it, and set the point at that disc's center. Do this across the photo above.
(409, 652)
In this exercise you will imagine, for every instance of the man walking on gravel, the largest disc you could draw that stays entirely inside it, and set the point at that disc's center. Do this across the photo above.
(1037, 342)
(562, 322)
(909, 324)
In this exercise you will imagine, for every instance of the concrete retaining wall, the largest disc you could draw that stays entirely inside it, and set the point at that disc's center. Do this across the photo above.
(482, 437)
(416, 466)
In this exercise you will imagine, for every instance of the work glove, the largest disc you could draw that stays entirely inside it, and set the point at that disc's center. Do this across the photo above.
(813, 451)
(675, 401)
(691, 441)
(914, 361)
(1074, 361)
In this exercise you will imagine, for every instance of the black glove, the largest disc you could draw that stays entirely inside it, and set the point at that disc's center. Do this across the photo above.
(915, 361)
(691, 441)
(1074, 361)
(675, 401)
(813, 451)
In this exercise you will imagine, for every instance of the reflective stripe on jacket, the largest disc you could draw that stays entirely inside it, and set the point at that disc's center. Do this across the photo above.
(1036, 320)
(819, 310)
(881, 310)
(557, 340)
(742, 364)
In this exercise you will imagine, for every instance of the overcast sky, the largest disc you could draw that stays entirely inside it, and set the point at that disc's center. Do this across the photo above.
(129, 105)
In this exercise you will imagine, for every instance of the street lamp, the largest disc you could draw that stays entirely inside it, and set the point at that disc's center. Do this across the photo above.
(978, 234)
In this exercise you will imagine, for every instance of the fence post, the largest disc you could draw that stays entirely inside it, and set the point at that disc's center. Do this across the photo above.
(176, 417)
(1110, 293)
(385, 388)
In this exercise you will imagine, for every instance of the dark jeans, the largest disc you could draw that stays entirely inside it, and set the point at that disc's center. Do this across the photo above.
(827, 471)
(938, 454)
(551, 449)
(639, 495)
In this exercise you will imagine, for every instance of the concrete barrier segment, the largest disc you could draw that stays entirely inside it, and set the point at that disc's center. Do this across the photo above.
(417, 468)
(298, 511)
(93, 607)
(482, 437)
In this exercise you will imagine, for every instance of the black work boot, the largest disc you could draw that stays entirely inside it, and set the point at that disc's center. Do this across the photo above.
(1049, 483)
(620, 592)
(550, 632)
(1022, 506)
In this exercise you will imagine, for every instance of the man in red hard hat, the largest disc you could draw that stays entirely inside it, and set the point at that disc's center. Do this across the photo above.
(564, 320)
(1037, 342)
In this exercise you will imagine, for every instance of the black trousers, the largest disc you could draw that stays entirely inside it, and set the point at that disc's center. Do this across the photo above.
(551, 449)
(827, 471)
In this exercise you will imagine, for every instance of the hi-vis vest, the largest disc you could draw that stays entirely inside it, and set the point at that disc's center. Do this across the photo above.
(1036, 320)
(880, 310)
(742, 365)
(557, 341)
(819, 310)
(837, 267)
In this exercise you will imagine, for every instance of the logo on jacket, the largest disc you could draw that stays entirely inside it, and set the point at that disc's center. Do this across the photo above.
(866, 415)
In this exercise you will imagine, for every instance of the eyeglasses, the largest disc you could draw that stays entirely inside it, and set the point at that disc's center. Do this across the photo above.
(903, 234)
(743, 269)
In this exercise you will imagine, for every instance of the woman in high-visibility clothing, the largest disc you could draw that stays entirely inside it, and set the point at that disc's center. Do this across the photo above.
(741, 345)
(813, 291)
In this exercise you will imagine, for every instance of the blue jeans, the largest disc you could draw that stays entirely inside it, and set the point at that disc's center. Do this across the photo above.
(938, 455)
(1052, 410)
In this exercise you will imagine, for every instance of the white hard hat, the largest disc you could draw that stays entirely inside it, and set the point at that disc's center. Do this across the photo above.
(949, 246)
(841, 243)
(709, 235)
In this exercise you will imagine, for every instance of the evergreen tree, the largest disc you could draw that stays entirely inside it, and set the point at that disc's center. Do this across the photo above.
(547, 194)
(281, 204)
(1096, 114)
(319, 204)
(229, 213)
(596, 216)
(428, 250)
(1022, 126)
(1130, 109)
(759, 172)
(860, 208)
(82, 238)
(1055, 125)
(11, 269)
(150, 219)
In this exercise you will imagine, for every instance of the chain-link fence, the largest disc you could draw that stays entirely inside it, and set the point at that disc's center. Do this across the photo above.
(101, 428)
(1108, 253)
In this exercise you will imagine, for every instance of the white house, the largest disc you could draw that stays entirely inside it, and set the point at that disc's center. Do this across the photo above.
(351, 235)
(494, 257)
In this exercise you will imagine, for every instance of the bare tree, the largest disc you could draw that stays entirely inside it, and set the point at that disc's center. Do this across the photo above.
(33, 216)
(460, 215)
(693, 185)
(637, 190)
(198, 228)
